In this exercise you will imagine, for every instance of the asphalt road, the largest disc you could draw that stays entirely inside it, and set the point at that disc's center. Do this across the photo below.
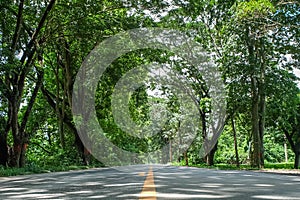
(156, 182)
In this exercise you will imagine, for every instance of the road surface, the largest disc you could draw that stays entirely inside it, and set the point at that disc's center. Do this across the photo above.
(151, 183)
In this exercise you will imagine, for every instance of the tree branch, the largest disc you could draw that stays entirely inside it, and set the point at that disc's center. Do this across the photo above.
(44, 149)
(67, 120)
(31, 101)
(37, 31)
(289, 138)
(18, 27)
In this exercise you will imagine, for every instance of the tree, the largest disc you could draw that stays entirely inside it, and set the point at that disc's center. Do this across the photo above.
(254, 43)
(283, 109)
(21, 38)
(78, 26)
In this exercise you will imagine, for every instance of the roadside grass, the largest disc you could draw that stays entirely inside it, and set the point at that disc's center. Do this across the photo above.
(31, 169)
(289, 165)
(270, 166)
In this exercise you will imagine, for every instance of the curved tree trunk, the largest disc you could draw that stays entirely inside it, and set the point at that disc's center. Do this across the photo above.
(211, 155)
(294, 145)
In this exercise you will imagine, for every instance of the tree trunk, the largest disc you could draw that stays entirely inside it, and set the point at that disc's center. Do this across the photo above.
(235, 143)
(297, 160)
(3, 150)
(83, 152)
(186, 158)
(285, 150)
(60, 115)
(255, 58)
(17, 143)
(262, 100)
(23, 154)
(68, 121)
(170, 151)
(86, 156)
(211, 155)
(16, 153)
(297, 155)
(256, 155)
(294, 145)
(262, 127)
(15, 84)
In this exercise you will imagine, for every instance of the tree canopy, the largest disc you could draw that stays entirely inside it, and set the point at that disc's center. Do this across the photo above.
(253, 45)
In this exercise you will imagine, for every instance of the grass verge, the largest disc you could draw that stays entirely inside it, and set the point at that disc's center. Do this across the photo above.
(4, 172)
(32, 169)
(241, 167)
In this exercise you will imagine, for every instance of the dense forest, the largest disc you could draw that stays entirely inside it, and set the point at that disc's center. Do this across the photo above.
(253, 44)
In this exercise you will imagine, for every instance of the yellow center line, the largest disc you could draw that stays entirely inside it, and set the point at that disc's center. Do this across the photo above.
(149, 192)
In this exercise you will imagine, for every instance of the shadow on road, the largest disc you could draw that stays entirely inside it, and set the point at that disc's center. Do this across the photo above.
(170, 183)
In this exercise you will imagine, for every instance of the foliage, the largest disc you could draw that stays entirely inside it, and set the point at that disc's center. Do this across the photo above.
(35, 169)
(254, 43)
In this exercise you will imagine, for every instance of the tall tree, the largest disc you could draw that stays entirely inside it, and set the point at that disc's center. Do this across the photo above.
(21, 35)
(79, 26)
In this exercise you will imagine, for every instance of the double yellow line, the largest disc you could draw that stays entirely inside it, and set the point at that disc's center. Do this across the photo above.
(149, 192)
